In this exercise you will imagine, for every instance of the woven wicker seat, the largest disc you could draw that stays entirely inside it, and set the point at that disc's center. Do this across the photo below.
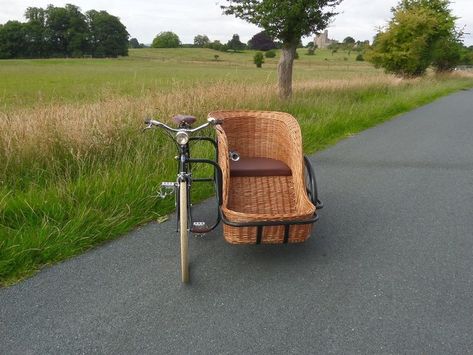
(261, 198)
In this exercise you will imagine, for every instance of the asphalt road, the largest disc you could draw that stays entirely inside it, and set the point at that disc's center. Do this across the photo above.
(388, 269)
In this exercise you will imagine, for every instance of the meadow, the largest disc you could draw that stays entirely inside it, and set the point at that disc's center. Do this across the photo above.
(76, 171)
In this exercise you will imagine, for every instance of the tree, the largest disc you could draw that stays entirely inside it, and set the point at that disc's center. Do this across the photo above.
(66, 31)
(13, 42)
(361, 46)
(133, 43)
(348, 44)
(108, 36)
(38, 47)
(201, 41)
(77, 33)
(217, 45)
(421, 33)
(235, 44)
(349, 40)
(63, 32)
(56, 26)
(288, 21)
(166, 39)
(466, 56)
(258, 59)
(446, 55)
(261, 41)
(270, 54)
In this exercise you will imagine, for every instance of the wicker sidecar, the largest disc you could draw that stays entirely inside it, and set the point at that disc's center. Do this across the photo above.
(269, 192)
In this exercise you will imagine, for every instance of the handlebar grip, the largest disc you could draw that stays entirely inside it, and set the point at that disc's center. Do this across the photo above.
(214, 121)
(147, 121)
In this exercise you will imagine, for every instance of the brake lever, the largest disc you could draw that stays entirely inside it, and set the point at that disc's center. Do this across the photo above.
(149, 126)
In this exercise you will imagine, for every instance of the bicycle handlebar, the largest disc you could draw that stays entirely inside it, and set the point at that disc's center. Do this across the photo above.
(211, 121)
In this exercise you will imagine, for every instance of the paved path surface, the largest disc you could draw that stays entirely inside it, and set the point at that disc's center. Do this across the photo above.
(389, 268)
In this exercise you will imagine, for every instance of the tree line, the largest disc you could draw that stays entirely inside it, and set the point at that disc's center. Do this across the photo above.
(260, 41)
(63, 32)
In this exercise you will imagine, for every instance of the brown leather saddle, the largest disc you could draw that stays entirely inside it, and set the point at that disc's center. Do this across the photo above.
(184, 120)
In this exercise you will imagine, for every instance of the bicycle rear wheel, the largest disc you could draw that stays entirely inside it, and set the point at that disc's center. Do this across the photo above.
(184, 231)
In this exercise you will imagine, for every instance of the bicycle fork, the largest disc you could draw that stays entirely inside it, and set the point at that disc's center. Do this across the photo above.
(198, 228)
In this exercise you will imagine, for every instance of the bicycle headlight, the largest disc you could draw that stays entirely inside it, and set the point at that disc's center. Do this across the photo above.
(182, 138)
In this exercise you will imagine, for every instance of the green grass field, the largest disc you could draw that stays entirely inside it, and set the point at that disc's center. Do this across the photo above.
(76, 171)
(33, 82)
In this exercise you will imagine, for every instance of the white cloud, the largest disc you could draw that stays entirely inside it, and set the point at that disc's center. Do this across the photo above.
(144, 18)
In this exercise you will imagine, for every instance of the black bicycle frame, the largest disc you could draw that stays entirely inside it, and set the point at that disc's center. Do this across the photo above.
(185, 172)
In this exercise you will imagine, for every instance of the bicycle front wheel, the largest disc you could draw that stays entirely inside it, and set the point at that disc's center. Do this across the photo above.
(184, 231)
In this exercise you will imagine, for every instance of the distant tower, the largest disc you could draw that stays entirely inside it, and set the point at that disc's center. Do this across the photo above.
(322, 41)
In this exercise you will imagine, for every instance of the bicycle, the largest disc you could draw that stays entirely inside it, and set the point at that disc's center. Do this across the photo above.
(182, 186)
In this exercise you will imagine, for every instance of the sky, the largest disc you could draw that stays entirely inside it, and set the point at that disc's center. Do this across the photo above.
(146, 18)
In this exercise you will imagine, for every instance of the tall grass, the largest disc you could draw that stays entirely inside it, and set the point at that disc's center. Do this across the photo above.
(75, 175)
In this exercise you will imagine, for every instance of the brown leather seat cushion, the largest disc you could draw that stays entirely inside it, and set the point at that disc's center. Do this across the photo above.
(258, 167)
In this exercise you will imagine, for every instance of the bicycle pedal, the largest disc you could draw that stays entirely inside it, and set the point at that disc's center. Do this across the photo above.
(200, 228)
(167, 188)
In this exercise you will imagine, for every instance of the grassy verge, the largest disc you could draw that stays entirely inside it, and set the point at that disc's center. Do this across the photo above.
(75, 175)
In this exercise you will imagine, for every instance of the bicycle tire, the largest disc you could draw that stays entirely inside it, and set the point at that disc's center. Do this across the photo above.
(184, 231)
